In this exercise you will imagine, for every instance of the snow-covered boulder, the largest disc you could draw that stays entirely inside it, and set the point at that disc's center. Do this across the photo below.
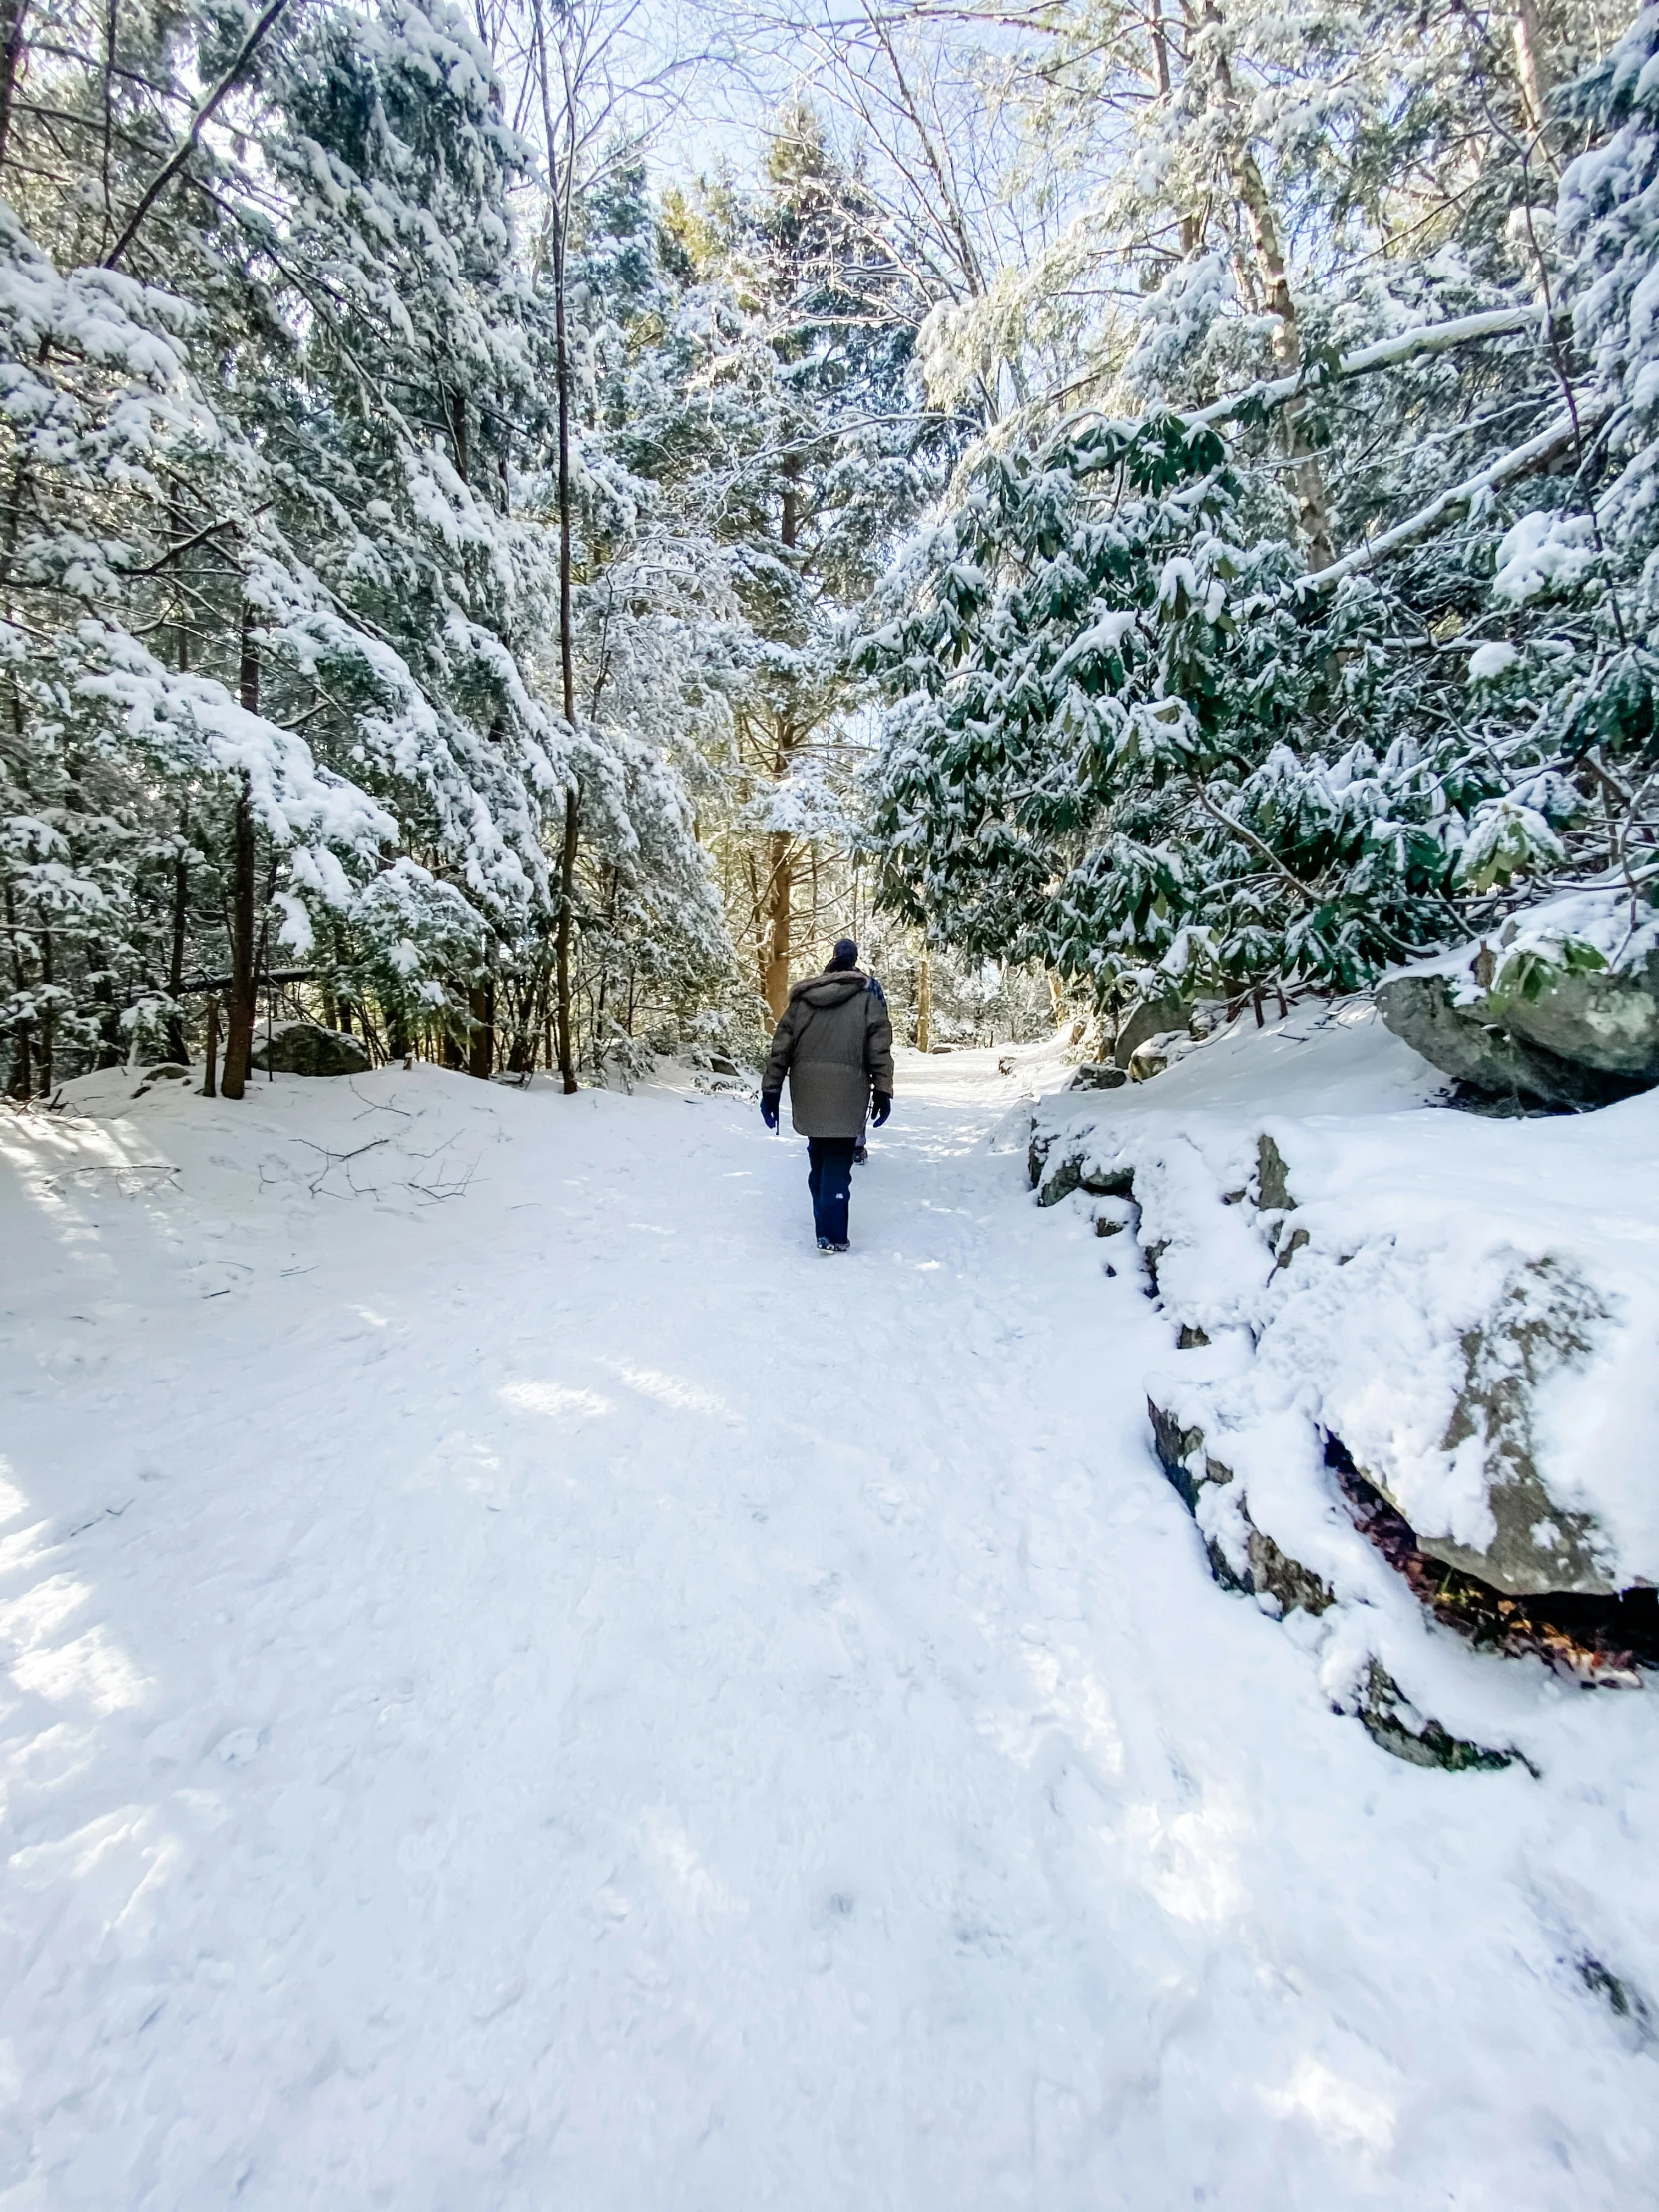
(1149, 1017)
(1460, 1311)
(161, 1071)
(306, 1048)
(1566, 1010)
(1098, 1075)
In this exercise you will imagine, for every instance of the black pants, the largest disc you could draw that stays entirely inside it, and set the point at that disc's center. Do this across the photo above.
(830, 1179)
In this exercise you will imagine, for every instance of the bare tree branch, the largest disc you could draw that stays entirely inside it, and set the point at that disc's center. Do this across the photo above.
(181, 152)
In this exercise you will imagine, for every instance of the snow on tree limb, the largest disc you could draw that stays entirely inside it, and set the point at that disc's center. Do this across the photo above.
(1366, 360)
(1522, 460)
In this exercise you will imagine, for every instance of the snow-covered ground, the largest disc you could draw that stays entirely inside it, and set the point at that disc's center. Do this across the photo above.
(528, 1687)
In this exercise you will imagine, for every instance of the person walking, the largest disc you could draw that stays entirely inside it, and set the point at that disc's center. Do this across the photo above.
(834, 1043)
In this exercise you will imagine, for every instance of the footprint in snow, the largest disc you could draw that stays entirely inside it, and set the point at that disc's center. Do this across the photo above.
(239, 1747)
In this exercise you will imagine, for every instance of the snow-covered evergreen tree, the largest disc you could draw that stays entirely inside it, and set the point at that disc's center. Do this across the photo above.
(788, 434)
(1350, 656)
(282, 560)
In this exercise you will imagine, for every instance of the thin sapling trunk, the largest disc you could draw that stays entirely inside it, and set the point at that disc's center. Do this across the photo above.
(243, 1007)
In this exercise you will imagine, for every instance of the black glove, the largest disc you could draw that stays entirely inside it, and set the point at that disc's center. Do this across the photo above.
(769, 1108)
(880, 1106)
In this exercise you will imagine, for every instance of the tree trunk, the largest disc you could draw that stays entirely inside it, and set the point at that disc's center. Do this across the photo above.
(341, 992)
(567, 911)
(20, 1035)
(241, 1003)
(458, 428)
(1532, 67)
(1306, 477)
(12, 14)
(521, 1053)
(481, 1058)
(210, 1052)
(557, 184)
(241, 1008)
(262, 963)
(48, 1019)
(774, 957)
(925, 1003)
(177, 1049)
(110, 1052)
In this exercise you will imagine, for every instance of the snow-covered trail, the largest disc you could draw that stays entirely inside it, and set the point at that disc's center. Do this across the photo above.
(561, 1696)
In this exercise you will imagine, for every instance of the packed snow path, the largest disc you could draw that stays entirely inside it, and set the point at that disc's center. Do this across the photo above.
(531, 1688)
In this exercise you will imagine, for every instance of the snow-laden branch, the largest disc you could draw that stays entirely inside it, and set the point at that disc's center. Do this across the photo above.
(1519, 462)
(1405, 346)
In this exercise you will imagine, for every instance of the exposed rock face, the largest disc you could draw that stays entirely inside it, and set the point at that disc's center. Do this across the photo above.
(1394, 1724)
(1385, 1713)
(1597, 1641)
(1271, 1192)
(1150, 1057)
(1606, 1019)
(1274, 1573)
(1544, 1321)
(1097, 1075)
(1468, 1398)
(1268, 1571)
(1075, 1174)
(165, 1071)
(1181, 1455)
(306, 1048)
(1586, 1039)
(1153, 1018)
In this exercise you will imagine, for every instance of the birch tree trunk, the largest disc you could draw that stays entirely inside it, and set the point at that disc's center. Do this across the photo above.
(1533, 69)
(1250, 187)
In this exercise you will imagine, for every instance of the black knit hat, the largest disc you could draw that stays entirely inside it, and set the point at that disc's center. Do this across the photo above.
(846, 955)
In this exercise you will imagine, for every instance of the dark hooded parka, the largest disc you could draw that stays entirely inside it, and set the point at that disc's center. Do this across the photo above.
(834, 1043)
